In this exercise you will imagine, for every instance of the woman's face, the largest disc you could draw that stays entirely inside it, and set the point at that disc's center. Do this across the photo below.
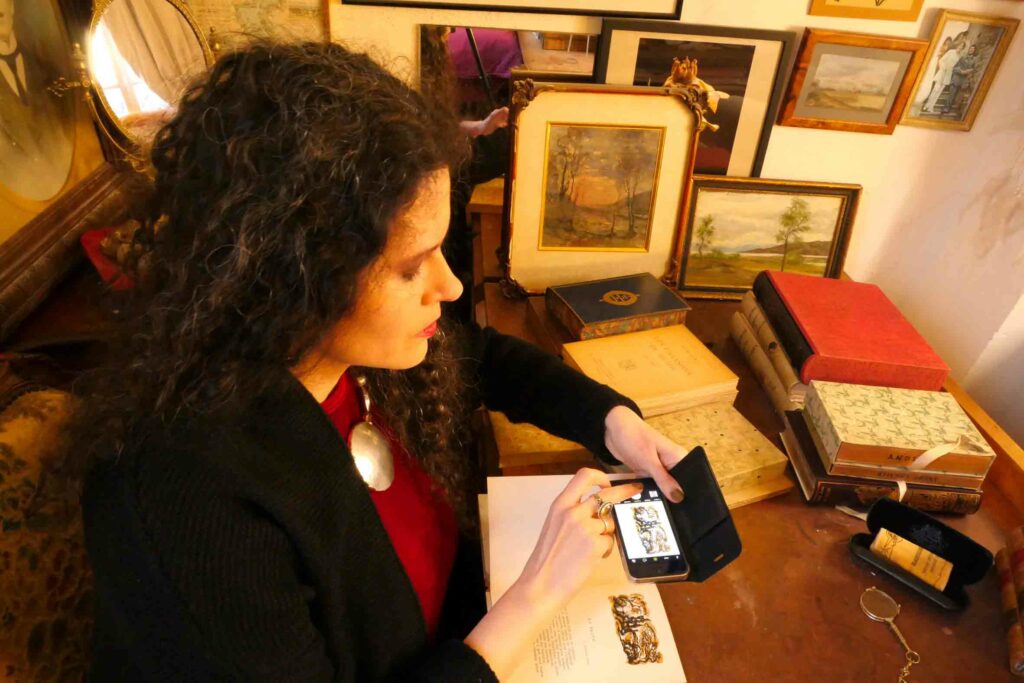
(400, 294)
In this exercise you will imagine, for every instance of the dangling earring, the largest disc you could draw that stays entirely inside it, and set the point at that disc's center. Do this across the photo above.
(370, 448)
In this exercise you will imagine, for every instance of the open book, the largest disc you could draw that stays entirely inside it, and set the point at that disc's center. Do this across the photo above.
(610, 622)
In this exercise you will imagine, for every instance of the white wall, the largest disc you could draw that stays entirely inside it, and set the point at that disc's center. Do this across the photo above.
(941, 221)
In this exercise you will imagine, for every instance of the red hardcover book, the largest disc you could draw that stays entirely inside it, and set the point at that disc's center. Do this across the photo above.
(857, 335)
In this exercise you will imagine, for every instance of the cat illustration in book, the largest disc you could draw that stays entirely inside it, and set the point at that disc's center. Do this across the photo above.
(649, 528)
(684, 72)
(636, 632)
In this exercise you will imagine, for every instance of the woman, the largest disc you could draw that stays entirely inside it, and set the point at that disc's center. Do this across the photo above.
(947, 58)
(303, 192)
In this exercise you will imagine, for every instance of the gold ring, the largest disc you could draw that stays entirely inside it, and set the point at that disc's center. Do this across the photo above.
(605, 510)
(607, 529)
(598, 500)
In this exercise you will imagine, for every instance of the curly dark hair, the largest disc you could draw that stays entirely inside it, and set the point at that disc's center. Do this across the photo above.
(276, 183)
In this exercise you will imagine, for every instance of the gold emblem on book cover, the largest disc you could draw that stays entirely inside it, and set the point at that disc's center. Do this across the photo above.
(636, 632)
(620, 297)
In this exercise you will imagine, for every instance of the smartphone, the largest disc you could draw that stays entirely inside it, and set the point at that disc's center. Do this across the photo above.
(648, 541)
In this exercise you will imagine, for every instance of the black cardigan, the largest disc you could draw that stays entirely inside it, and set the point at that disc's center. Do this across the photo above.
(249, 548)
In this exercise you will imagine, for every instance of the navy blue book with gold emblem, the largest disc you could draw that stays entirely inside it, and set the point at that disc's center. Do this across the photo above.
(601, 308)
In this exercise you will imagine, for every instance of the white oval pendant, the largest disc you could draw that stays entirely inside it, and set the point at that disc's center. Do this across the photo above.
(372, 455)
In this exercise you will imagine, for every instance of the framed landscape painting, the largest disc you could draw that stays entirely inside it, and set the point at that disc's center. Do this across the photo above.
(963, 57)
(852, 81)
(744, 72)
(595, 181)
(737, 227)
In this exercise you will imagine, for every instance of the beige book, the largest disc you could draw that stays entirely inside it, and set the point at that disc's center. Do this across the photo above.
(889, 473)
(584, 641)
(890, 427)
(769, 341)
(740, 455)
(742, 333)
(663, 370)
(523, 444)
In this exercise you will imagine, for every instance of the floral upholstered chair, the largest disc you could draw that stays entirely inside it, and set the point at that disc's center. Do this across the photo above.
(45, 580)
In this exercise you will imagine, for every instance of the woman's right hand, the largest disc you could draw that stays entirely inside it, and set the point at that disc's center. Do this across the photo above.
(570, 545)
(573, 538)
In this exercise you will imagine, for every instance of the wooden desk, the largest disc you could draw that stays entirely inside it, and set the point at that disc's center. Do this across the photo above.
(788, 609)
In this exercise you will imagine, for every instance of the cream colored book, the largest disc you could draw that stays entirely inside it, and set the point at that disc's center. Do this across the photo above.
(663, 370)
(610, 621)
(743, 334)
(769, 342)
(742, 458)
(523, 444)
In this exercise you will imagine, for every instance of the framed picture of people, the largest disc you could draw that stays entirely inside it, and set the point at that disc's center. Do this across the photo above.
(744, 72)
(52, 166)
(47, 140)
(962, 61)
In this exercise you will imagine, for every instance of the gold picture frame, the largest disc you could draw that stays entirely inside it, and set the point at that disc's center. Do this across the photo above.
(935, 93)
(596, 181)
(890, 10)
(741, 226)
(851, 81)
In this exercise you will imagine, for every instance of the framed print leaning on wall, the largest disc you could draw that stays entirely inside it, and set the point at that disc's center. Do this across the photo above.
(596, 181)
(744, 70)
(963, 58)
(653, 9)
(737, 227)
(851, 81)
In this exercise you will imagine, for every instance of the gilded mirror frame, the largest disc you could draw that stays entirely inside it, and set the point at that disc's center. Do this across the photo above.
(99, 9)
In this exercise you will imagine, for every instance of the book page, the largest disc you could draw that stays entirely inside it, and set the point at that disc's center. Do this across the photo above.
(610, 621)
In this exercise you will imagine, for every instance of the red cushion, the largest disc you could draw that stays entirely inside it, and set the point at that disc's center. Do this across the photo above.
(108, 270)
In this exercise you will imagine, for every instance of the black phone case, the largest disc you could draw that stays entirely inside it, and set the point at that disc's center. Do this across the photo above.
(709, 537)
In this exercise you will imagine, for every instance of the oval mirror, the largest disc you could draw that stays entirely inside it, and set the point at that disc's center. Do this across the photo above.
(142, 55)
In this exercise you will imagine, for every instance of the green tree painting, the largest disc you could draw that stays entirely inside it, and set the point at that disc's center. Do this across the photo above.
(795, 220)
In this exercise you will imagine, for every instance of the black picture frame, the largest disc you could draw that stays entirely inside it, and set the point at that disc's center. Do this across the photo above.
(837, 245)
(788, 41)
(484, 6)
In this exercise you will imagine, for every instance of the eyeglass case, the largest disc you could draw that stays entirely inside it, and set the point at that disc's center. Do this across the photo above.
(971, 562)
(709, 537)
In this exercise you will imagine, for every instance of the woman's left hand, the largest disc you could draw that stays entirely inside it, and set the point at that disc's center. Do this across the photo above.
(643, 449)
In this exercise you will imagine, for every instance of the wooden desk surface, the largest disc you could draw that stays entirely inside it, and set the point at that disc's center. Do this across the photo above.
(788, 609)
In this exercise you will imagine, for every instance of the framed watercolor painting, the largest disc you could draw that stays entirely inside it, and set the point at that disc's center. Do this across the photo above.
(596, 181)
(963, 57)
(654, 9)
(851, 81)
(893, 10)
(737, 227)
(744, 69)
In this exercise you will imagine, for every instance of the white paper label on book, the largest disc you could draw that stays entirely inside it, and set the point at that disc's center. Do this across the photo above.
(610, 622)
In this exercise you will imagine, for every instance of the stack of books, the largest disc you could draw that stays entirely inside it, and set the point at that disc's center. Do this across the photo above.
(858, 389)
(684, 391)
(853, 444)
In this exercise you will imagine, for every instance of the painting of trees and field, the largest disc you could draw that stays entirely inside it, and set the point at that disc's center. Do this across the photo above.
(735, 235)
(599, 184)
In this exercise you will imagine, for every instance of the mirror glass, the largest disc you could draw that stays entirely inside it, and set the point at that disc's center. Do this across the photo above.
(142, 55)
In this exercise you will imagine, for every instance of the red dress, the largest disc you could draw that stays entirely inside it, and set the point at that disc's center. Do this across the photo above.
(422, 527)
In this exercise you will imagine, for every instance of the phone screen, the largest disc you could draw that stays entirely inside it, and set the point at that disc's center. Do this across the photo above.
(647, 536)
